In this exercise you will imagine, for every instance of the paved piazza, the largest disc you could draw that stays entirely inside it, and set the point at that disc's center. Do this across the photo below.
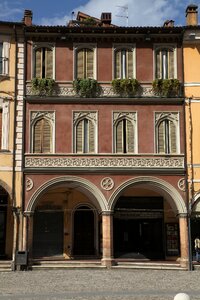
(99, 284)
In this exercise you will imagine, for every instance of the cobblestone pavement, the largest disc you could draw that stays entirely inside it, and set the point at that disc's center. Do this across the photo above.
(99, 284)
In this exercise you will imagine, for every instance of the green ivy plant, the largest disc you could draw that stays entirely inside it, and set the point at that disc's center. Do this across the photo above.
(42, 86)
(125, 87)
(166, 87)
(86, 87)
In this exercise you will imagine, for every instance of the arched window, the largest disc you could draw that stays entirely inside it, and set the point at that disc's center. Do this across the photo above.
(123, 64)
(165, 63)
(85, 136)
(43, 62)
(85, 63)
(42, 136)
(167, 136)
(124, 136)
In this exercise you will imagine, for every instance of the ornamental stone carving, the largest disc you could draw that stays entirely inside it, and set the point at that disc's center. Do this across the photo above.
(129, 115)
(92, 115)
(107, 183)
(107, 162)
(182, 184)
(41, 114)
(29, 184)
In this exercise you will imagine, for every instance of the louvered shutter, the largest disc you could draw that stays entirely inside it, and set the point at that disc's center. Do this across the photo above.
(1, 129)
(91, 134)
(37, 137)
(161, 137)
(119, 137)
(48, 63)
(129, 62)
(89, 63)
(79, 137)
(1, 58)
(171, 63)
(46, 137)
(158, 64)
(130, 136)
(80, 64)
(173, 144)
(118, 64)
(38, 63)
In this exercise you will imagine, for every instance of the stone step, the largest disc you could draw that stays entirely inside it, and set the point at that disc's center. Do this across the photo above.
(41, 264)
(5, 265)
(149, 265)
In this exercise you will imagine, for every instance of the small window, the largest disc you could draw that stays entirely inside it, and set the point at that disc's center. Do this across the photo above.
(123, 63)
(42, 136)
(167, 135)
(43, 63)
(85, 136)
(3, 58)
(85, 63)
(165, 63)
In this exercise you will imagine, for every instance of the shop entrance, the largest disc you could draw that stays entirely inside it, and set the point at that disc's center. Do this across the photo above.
(138, 228)
(84, 235)
(3, 218)
(48, 233)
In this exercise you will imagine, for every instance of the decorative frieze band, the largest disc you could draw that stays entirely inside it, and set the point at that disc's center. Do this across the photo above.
(108, 162)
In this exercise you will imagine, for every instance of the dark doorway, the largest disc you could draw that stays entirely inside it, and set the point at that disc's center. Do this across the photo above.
(84, 237)
(3, 218)
(48, 234)
(195, 231)
(138, 228)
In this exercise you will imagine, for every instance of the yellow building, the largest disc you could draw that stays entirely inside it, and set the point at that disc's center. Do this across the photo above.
(11, 87)
(191, 54)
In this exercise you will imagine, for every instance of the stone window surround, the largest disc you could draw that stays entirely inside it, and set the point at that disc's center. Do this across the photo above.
(5, 106)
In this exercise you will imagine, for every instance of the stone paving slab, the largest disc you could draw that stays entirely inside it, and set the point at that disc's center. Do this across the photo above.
(98, 284)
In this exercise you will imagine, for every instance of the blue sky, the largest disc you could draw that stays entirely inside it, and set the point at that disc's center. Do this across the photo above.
(140, 13)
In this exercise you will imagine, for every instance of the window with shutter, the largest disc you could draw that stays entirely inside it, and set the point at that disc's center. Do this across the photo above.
(85, 136)
(125, 136)
(167, 137)
(164, 58)
(42, 136)
(0, 129)
(44, 62)
(85, 63)
(124, 63)
(1, 58)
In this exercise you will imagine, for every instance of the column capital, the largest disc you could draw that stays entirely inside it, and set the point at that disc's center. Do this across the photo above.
(107, 213)
(182, 215)
(28, 214)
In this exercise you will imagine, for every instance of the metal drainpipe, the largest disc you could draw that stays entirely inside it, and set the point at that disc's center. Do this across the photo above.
(15, 210)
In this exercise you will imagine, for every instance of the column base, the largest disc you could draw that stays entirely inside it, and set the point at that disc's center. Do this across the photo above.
(108, 262)
(184, 262)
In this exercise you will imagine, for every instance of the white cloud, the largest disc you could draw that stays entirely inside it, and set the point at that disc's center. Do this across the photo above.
(7, 12)
(140, 13)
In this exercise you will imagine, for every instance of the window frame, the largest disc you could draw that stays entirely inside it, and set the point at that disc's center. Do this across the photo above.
(79, 116)
(36, 116)
(5, 55)
(35, 47)
(173, 116)
(120, 47)
(164, 47)
(80, 46)
(133, 118)
(5, 130)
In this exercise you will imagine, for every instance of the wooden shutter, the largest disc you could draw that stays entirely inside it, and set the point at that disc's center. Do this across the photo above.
(80, 64)
(158, 64)
(91, 138)
(161, 137)
(171, 63)
(173, 137)
(130, 136)
(48, 63)
(118, 64)
(38, 63)
(119, 137)
(1, 58)
(79, 137)
(47, 137)
(0, 128)
(89, 63)
(129, 62)
(42, 137)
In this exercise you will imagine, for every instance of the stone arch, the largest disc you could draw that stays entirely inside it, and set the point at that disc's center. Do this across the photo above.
(6, 188)
(196, 203)
(164, 188)
(79, 183)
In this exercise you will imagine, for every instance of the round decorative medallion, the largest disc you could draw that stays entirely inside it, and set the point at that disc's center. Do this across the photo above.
(181, 184)
(107, 183)
(29, 184)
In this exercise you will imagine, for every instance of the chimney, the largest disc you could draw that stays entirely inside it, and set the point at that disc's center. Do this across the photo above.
(192, 15)
(168, 23)
(106, 18)
(28, 17)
